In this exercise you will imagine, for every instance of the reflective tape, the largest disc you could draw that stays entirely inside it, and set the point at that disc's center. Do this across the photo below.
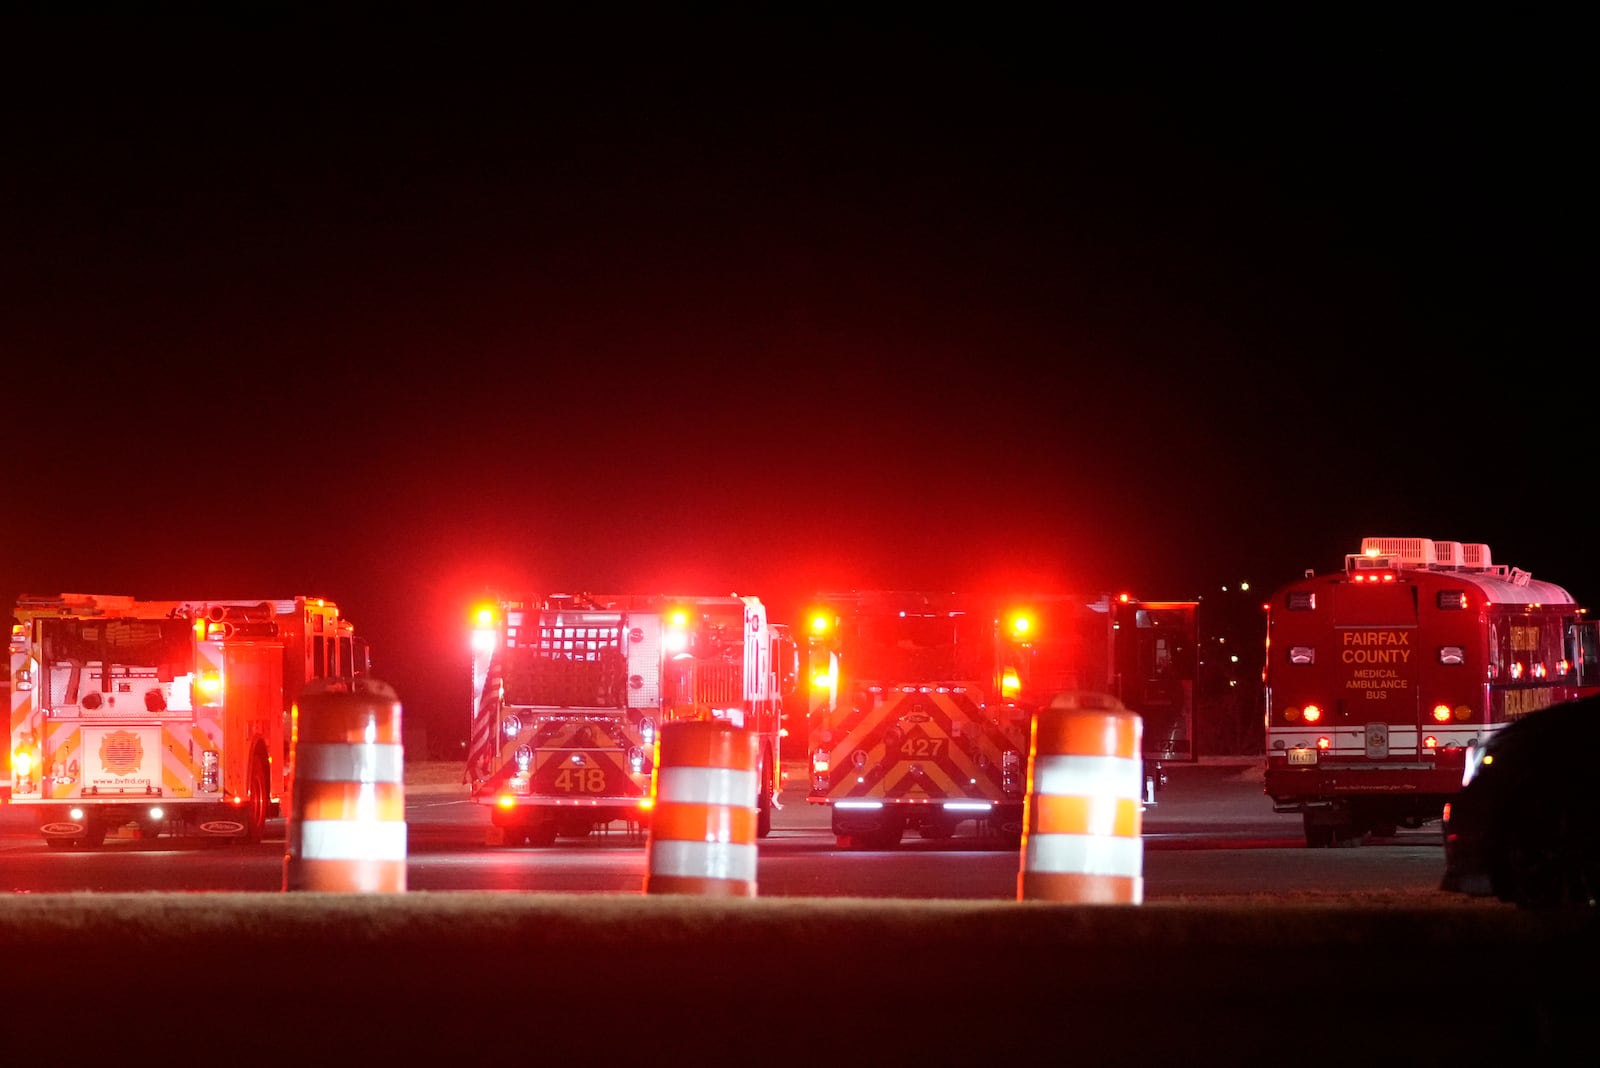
(703, 860)
(706, 786)
(352, 840)
(1078, 774)
(360, 762)
(1084, 854)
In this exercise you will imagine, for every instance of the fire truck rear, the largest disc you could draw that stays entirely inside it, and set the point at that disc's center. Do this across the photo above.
(922, 703)
(168, 716)
(570, 692)
(908, 719)
(1381, 679)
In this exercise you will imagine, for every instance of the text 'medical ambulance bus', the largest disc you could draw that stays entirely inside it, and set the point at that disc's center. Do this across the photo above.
(1381, 679)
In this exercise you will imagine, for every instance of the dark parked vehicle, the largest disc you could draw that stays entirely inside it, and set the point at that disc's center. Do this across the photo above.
(1526, 825)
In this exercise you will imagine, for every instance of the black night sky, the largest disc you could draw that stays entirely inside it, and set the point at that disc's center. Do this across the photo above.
(396, 308)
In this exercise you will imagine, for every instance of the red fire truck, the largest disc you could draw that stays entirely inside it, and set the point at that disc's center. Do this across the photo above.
(569, 692)
(922, 703)
(169, 716)
(1380, 679)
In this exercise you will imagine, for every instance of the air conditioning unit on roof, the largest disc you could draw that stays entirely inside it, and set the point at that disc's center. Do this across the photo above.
(1413, 552)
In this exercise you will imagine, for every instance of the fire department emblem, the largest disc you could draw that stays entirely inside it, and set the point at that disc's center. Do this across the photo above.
(121, 752)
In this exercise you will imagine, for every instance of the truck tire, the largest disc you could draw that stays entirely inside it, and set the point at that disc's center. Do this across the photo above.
(257, 801)
(1323, 832)
(764, 814)
(578, 826)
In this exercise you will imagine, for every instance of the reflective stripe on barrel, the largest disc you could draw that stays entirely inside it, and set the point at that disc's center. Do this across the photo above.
(1083, 814)
(347, 829)
(703, 824)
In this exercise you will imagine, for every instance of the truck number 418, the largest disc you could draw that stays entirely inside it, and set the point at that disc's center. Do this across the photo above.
(581, 780)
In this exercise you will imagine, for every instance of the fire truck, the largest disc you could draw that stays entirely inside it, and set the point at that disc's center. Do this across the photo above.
(569, 692)
(171, 717)
(922, 703)
(1381, 678)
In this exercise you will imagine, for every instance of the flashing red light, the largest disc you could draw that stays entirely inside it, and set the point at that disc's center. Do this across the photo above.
(1311, 713)
(1441, 713)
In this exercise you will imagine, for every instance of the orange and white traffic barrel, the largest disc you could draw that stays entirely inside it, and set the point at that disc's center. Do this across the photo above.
(347, 818)
(703, 821)
(1083, 813)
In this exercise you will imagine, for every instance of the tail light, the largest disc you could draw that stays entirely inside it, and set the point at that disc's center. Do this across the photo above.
(24, 770)
(819, 770)
(208, 685)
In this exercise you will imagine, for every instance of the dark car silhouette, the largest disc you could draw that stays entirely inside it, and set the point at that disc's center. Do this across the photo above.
(1525, 827)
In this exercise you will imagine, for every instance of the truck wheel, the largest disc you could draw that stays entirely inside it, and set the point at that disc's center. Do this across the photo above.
(763, 815)
(1319, 835)
(887, 835)
(256, 803)
(578, 826)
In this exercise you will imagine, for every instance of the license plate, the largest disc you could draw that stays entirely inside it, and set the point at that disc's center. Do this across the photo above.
(1302, 755)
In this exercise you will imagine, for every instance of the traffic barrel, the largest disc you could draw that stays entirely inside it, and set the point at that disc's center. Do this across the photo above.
(1083, 812)
(347, 817)
(703, 819)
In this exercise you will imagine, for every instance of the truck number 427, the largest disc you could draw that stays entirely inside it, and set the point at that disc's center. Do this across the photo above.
(926, 748)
